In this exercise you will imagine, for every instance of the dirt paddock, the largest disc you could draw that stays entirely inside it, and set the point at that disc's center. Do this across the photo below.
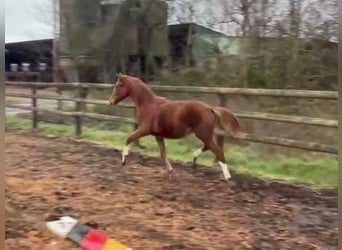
(50, 177)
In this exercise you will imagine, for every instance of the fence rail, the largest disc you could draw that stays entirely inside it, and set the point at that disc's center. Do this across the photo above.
(78, 114)
(200, 90)
(241, 114)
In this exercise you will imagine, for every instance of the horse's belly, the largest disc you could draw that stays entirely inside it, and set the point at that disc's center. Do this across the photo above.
(172, 121)
(172, 131)
(178, 134)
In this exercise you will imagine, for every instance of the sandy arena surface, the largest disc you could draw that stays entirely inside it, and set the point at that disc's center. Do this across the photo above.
(51, 177)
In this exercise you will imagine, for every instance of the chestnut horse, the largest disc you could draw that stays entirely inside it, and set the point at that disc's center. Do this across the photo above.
(171, 119)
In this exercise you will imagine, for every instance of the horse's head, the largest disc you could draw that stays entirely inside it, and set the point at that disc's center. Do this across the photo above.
(133, 87)
(121, 90)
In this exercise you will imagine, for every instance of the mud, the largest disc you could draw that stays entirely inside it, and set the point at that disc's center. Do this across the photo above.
(139, 206)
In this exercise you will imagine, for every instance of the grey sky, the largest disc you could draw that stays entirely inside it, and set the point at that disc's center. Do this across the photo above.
(28, 20)
(33, 19)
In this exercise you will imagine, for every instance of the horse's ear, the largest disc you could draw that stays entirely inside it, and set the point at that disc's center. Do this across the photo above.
(119, 76)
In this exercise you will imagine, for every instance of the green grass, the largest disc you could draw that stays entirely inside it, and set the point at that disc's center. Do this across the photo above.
(319, 172)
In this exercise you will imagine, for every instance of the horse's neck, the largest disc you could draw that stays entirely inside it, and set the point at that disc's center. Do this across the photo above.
(142, 97)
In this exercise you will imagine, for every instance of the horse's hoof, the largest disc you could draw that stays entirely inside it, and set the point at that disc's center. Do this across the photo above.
(123, 163)
(194, 163)
(227, 179)
(141, 146)
(168, 175)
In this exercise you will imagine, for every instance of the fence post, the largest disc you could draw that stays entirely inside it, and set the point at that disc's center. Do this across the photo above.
(59, 102)
(222, 103)
(34, 106)
(78, 108)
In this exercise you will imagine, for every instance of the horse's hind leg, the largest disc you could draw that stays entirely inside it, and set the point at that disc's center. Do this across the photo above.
(205, 134)
(220, 156)
(197, 153)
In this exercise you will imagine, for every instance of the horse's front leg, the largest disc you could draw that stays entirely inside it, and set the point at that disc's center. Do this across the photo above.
(162, 149)
(139, 133)
(197, 153)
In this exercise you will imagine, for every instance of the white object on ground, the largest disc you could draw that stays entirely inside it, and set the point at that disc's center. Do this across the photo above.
(62, 226)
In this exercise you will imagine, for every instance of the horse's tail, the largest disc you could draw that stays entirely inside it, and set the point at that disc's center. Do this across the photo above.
(228, 121)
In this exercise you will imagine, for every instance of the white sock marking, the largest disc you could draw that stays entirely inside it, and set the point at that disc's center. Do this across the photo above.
(197, 152)
(168, 165)
(125, 152)
(225, 170)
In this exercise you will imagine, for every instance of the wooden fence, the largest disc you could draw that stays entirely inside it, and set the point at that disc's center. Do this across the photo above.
(79, 113)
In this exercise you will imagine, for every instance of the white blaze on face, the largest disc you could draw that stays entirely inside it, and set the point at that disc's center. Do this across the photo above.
(117, 83)
(224, 168)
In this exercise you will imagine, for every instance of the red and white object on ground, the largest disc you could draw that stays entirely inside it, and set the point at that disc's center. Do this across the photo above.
(86, 237)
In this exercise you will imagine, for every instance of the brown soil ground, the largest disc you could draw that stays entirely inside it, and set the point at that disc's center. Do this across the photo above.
(50, 177)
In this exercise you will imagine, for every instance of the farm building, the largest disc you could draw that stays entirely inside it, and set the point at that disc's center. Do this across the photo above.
(170, 46)
(29, 60)
(28, 40)
(191, 44)
(182, 51)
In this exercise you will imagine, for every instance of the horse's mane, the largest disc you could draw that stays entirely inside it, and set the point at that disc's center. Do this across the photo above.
(137, 82)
